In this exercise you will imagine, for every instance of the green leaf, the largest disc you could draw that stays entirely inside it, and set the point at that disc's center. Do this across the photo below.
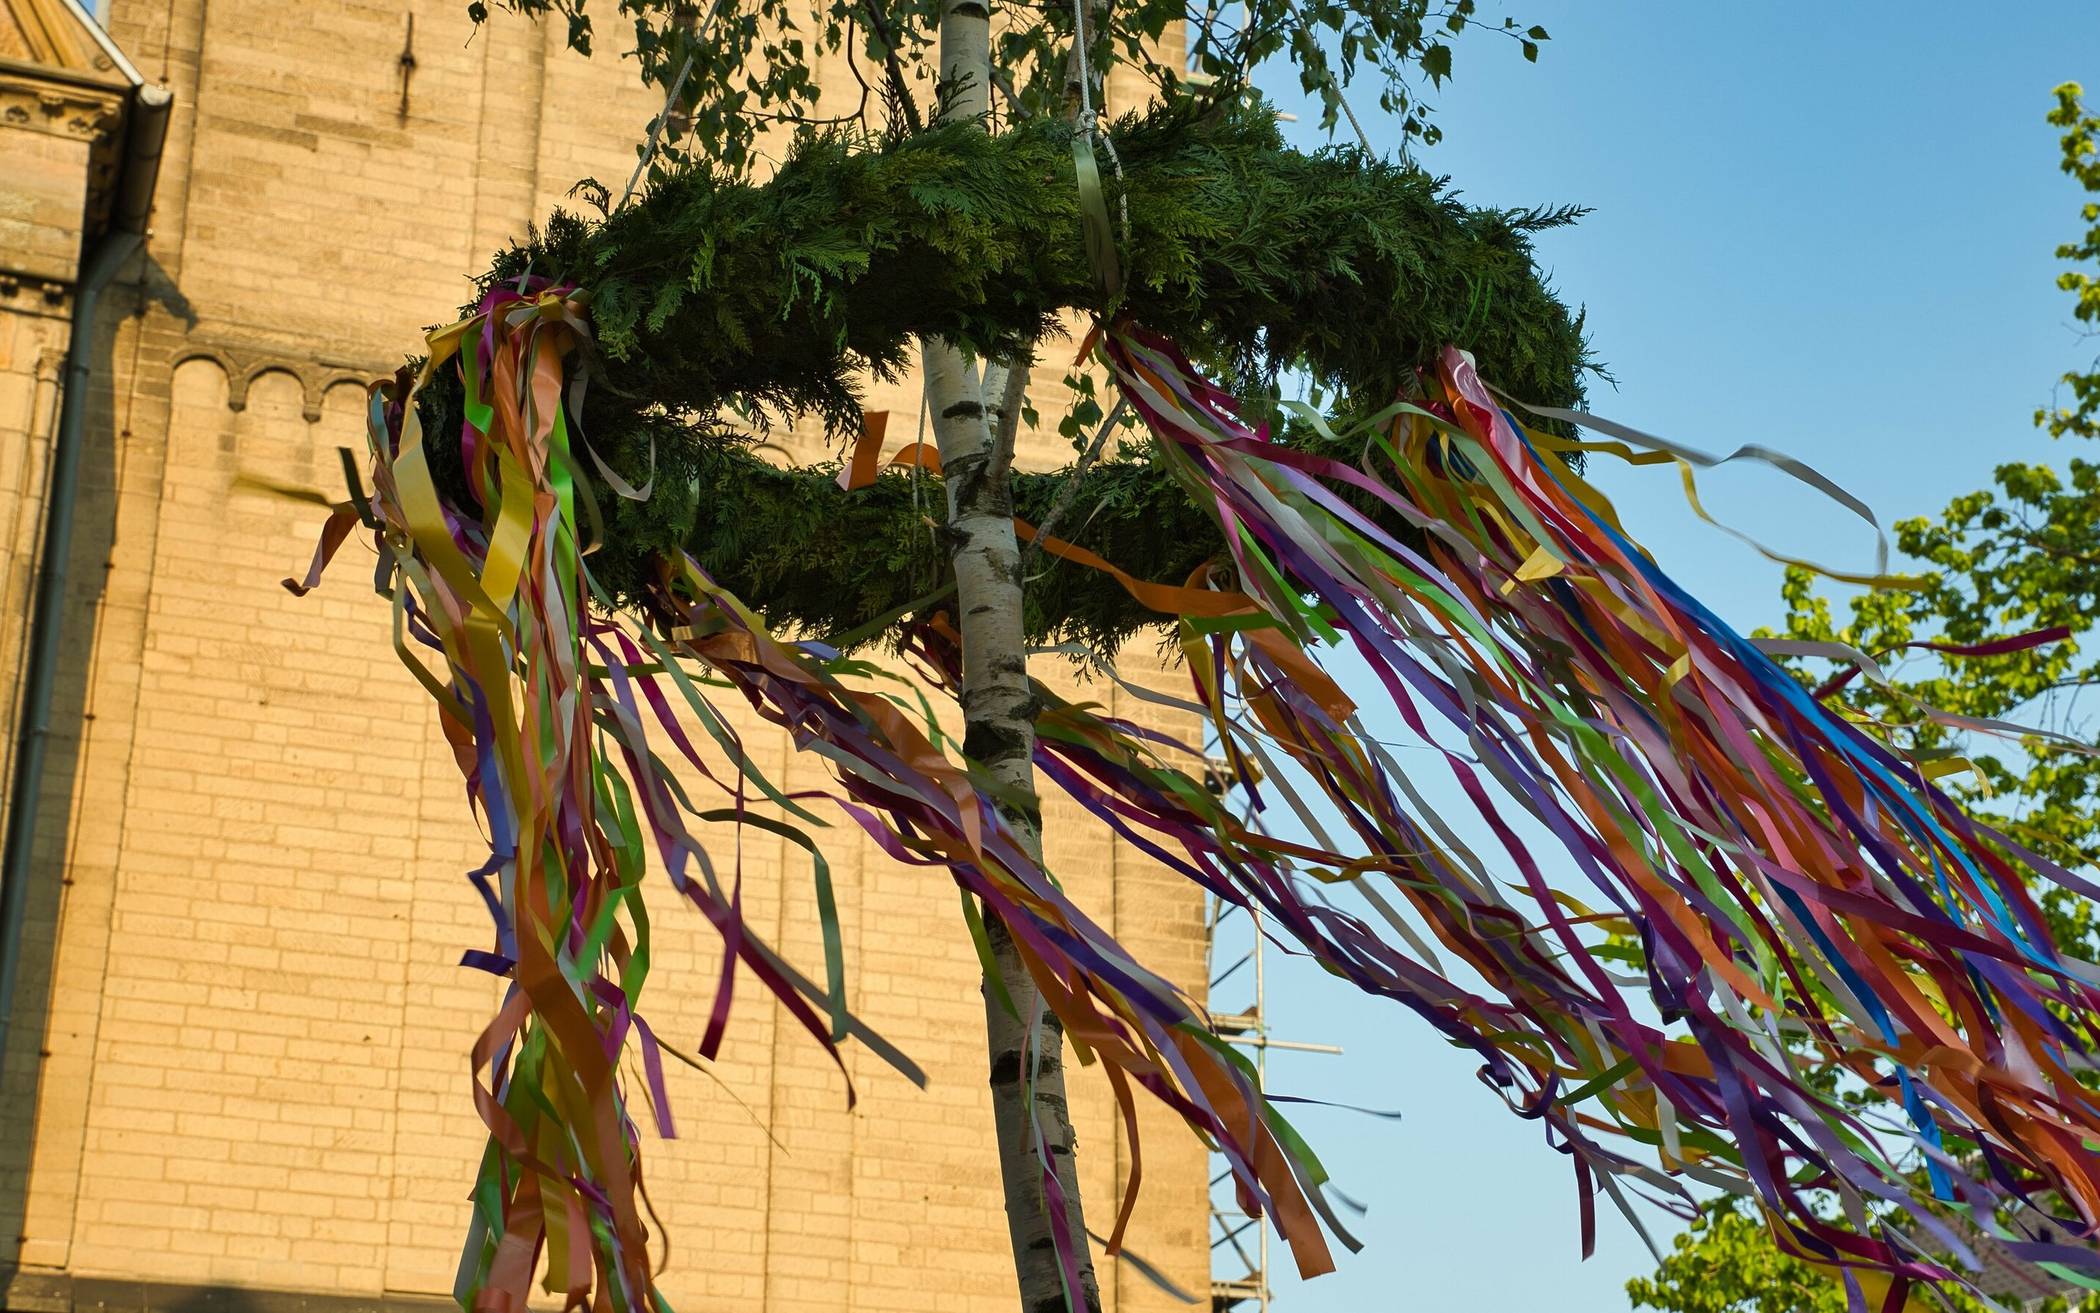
(1436, 62)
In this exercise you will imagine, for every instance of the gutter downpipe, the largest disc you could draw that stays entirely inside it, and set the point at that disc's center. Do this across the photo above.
(145, 137)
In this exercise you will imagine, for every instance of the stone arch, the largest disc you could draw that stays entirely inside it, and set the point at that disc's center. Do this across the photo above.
(244, 366)
(228, 370)
(344, 378)
(310, 397)
(341, 393)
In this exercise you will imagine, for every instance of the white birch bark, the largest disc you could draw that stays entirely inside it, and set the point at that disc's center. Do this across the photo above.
(975, 420)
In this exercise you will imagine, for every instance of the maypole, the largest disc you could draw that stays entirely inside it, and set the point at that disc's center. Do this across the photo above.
(1800, 907)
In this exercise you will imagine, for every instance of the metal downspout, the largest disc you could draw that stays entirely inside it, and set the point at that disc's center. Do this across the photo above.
(146, 135)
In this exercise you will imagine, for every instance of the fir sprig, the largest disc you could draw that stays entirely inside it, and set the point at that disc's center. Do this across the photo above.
(776, 299)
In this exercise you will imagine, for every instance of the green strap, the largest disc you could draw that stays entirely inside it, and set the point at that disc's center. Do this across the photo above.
(1093, 216)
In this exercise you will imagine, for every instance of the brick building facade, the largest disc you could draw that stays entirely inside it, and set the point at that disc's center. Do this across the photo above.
(236, 1073)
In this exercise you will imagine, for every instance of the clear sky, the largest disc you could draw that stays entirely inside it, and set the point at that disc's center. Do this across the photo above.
(1826, 228)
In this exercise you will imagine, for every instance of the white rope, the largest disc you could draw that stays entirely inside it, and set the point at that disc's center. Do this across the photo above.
(1090, 123)
(1086, 77)
(1362, 138)
(1070, 489)
(656, 127)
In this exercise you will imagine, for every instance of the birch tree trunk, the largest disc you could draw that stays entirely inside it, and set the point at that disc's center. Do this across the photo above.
(976, 417)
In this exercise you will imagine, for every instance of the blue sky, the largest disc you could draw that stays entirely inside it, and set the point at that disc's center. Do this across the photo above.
(1829, 229)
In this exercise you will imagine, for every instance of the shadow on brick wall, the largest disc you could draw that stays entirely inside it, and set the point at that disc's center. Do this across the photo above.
(48, 1292)
(23, 1067)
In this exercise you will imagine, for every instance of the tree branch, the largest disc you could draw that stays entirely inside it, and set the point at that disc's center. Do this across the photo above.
(893, 70)
(1006, 415)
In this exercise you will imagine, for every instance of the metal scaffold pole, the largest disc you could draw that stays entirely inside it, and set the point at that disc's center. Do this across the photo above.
(1240, 1272)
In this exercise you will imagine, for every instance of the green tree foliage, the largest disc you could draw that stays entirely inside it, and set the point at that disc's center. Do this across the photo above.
(2081, 143)
(2020, 556)
(740, 68)
(1726, 1263)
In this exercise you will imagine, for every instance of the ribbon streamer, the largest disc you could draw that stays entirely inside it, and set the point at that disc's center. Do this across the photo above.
(1802, 906)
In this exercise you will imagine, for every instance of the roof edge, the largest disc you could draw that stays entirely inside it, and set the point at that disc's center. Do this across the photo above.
(103, 40)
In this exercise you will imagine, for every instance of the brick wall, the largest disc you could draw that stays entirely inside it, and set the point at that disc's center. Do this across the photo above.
(252, 1068)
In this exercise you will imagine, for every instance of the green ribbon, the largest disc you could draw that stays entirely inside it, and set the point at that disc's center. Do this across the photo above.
(1093, 216)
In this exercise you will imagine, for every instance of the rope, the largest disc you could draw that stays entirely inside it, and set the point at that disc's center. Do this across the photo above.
(1071, 487)
(656, 126)
(1089, 121)
(1362, 138)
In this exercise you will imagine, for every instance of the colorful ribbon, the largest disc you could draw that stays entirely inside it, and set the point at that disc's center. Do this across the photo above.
(1800, 901)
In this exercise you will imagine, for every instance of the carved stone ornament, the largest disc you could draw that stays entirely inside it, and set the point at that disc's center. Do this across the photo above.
(63, 110)
(243, 363)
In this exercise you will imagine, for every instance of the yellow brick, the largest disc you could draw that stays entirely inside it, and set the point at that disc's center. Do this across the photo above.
(258, 1032)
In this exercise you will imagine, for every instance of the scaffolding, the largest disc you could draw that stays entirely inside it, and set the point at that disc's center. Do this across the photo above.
(1245, 1281)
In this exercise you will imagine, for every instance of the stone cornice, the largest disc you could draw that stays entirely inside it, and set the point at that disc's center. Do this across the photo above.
(37, 101)
(27, 294)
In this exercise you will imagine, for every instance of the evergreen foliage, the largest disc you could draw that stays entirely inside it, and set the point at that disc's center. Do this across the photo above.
(822, 562)
(1351, 268)
(773, 299)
